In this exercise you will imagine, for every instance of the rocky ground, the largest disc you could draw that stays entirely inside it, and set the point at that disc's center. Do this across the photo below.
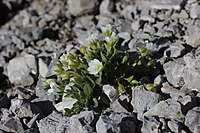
(33, 31)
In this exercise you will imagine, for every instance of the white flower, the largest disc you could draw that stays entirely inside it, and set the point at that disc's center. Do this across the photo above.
(95, 66)
(65, 61)
(53, 89)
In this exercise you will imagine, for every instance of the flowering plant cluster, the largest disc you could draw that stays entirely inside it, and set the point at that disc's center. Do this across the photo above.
(80, 76)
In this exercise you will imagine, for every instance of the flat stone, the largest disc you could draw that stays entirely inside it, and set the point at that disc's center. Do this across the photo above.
(195, 11)
(106, 7)
(20, 108)
(55, 123)
(174, 71)
(19, 70)
(143, 100)
(167, 4)
(43, 68)
(79, 7)
(49, 124)
(85, 22)
(193, 40)
(168, 109)
(184, 72)
(106, 124)
(151, 125)
(129, 12)
(32, 130)
(183, 14)
(10, 123)
(127, 121)
(192, 119)
(111, 92)
(120, 104)
(174, 126)
(175, 50)
(160, 4)
(4, 100)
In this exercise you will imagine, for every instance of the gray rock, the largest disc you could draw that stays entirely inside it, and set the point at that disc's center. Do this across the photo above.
(20, 68)
(49, 124)
(111, 92)
(158, 80)
(106, 7)
(173, 92)
(43, 68)
(80, 123)
(151, 125)
(183, 14)
(21, 108)
(175, 50)
(192, 119)
(121, 104)
(192, 73)
(55, 123)
(193, 40)
(128, 12)
(164, 124)
(104, 20)
(82, 36)
(9, 123)
(174, 72)
(143, 100)
(32, 130)
(105, 124)
(175, 126)
(79, 7)
(195, 11)
(85, 22)
(123, 25)
(166, 4)
(126, 36)
(135, 25)
(168, 109)
(4, 100)
(127, 121)
(32, 122)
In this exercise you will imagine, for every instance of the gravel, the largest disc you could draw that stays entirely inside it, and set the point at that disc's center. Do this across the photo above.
(34, 33)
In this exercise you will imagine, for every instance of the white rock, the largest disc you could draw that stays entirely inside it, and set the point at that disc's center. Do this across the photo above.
(111, 92)
(19, 70)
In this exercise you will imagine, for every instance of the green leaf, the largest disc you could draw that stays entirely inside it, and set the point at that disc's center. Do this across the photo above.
(107, 33)
(99, 79)
(149, 87)
(108, 47)
(130, 78)
(59, 71)
(67, 112)
(150, 64)
(134, 82)
(125, 59)
(65, 76)
(103, 58)
(88, 90)
(120, 88)
(82, 49)
(92, 44)
(143, 51)
(139, 63)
